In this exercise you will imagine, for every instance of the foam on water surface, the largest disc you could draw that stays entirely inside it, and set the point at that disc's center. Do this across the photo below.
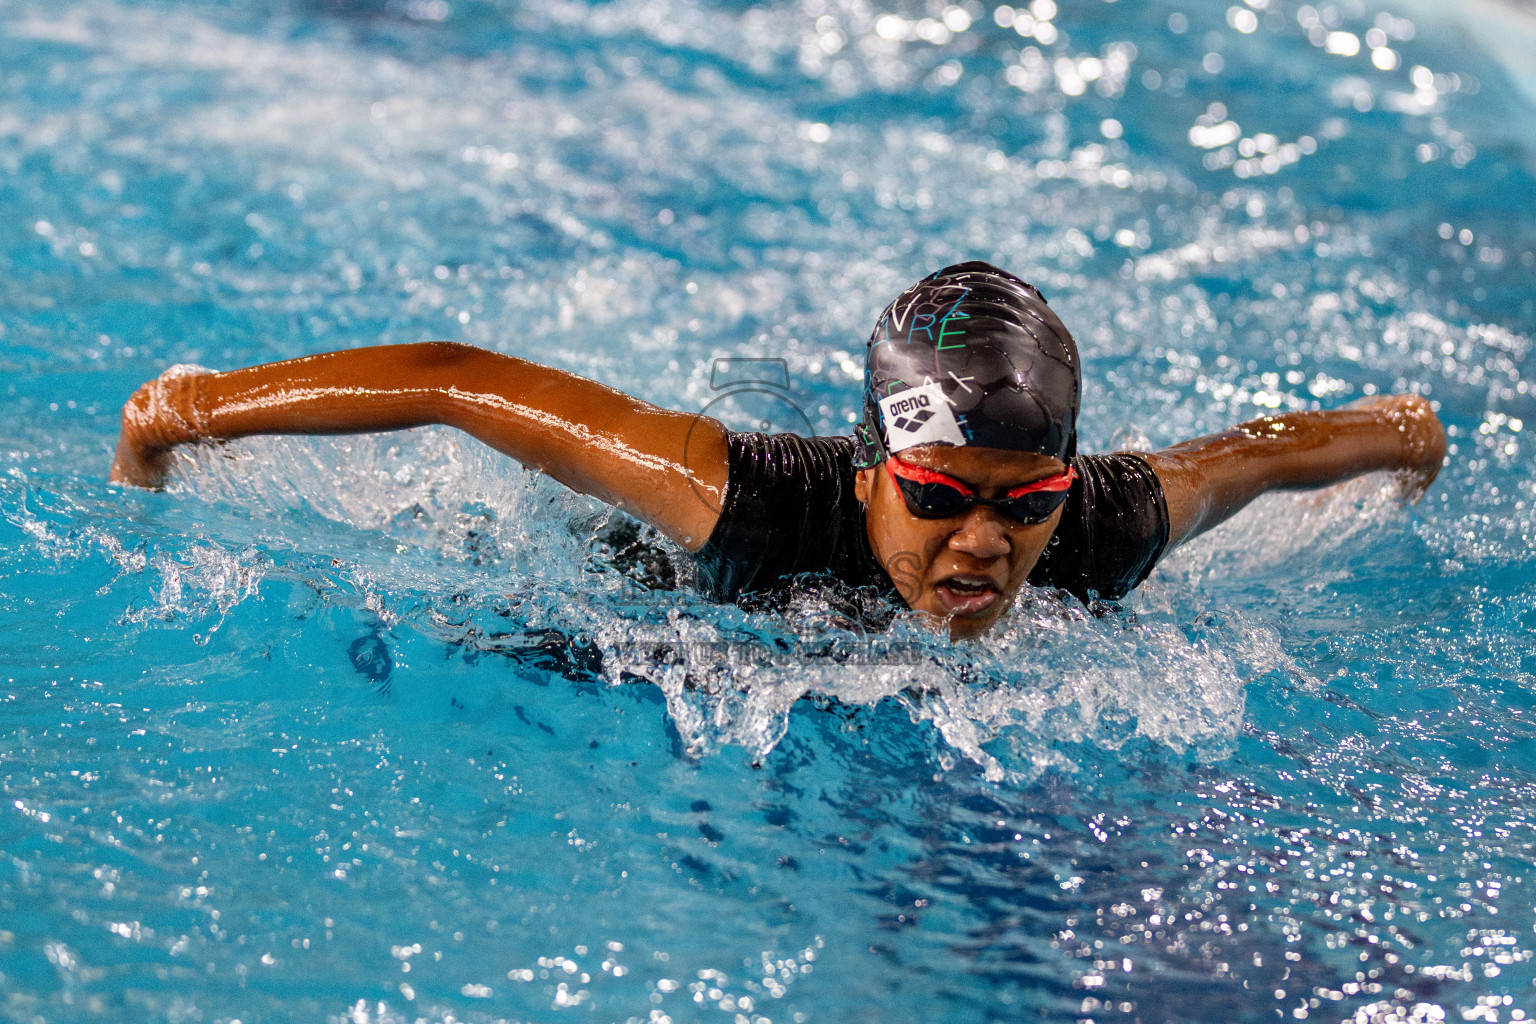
(388, 729)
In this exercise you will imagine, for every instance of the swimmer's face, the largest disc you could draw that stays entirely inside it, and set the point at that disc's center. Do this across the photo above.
(968, 568)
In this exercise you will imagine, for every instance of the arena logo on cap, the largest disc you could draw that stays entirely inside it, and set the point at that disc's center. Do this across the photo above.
(919, 415)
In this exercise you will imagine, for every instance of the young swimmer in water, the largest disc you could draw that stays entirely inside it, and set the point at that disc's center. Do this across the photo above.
(962, 482)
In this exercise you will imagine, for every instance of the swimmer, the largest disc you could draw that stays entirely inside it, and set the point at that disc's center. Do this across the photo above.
(962, 483)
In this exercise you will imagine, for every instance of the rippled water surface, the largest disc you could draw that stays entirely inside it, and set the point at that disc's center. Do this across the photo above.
(388, 729)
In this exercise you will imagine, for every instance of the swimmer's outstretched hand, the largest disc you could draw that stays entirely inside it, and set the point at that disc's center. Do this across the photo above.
(161, 415)
(1421, 433)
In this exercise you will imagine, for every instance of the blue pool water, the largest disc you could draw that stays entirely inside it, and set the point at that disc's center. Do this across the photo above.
(375, 729)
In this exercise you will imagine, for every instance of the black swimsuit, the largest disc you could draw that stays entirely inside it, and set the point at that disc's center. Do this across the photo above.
(790, 509)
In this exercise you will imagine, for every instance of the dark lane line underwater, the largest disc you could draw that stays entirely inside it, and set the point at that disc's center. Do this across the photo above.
(384, 727)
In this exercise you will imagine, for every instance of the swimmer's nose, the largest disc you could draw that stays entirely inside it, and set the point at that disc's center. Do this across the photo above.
(981, 535)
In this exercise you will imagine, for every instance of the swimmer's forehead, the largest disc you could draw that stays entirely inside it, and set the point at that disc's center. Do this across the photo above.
(983, 466)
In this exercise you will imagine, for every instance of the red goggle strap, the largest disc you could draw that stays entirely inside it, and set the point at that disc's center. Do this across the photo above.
(922, 475)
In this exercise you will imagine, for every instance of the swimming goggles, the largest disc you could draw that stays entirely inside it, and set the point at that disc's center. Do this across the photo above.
(930, 494)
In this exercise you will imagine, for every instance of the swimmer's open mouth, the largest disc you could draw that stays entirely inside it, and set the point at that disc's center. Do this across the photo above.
(967, 595)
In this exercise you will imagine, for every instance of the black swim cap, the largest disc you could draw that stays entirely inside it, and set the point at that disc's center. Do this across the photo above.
(970, 356)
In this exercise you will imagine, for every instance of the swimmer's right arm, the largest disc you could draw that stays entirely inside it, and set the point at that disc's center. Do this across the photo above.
(666, 468)
(1207, 480)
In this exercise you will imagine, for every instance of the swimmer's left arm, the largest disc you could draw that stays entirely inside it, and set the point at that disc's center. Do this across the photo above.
(1207, 480)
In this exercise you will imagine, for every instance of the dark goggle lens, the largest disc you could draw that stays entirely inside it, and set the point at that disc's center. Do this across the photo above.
(1033, 508)
(932, 500)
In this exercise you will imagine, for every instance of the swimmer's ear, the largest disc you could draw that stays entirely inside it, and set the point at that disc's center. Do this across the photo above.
(863, 484)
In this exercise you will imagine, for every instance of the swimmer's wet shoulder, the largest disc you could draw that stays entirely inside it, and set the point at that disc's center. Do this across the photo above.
(789, 508)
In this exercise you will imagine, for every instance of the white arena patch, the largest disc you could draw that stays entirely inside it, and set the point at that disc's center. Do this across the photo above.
(920, 415)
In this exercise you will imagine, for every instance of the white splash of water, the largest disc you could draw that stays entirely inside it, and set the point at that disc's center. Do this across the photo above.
(1308, 528)
(432, 489)
(200, 580)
